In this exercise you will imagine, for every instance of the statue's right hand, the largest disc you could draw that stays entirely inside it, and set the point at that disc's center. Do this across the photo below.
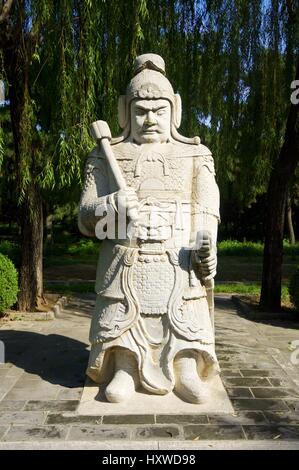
(127, 200)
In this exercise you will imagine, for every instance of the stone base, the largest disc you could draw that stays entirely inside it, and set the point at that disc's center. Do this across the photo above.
(93, 402)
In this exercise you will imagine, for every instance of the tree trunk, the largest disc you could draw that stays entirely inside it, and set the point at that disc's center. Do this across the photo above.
(290, 220)
(30, 212)
(282, 173)
(31, 271)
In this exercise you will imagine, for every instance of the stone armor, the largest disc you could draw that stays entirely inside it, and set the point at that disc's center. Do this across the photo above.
(150, 296)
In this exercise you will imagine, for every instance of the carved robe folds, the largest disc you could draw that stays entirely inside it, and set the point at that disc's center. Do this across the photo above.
(150, 299)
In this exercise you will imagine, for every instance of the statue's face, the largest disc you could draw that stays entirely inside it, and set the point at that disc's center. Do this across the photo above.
(150, 121)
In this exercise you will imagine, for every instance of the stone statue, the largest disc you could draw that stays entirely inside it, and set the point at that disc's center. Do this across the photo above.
(153, 322)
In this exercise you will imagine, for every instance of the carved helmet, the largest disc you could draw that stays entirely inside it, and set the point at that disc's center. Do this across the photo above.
(149, 82)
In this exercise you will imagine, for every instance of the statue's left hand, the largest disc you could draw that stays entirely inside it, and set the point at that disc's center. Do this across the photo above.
(207, 266)
(205, 256)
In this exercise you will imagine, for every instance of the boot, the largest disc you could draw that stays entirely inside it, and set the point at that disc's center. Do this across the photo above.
(188, 384)
(122, 386)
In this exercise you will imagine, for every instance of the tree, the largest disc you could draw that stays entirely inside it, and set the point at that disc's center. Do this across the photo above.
(277, 194)
(65, 63)
(57, 59)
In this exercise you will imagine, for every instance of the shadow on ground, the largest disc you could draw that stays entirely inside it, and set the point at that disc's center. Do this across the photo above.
(55, 358)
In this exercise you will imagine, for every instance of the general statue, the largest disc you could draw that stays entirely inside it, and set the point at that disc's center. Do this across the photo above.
(151, 196)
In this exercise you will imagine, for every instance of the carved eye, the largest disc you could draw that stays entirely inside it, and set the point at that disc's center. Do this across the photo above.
(161, 112)
(139, 112)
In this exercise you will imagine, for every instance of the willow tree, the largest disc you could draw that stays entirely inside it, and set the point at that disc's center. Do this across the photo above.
(58, 62)
(65, 62)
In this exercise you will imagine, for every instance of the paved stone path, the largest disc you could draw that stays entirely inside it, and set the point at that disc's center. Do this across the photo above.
(42, 379)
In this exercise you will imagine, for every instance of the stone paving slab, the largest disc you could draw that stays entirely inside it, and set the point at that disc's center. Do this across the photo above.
(22, 417)
(43, 379)
(54, 405)
(212, 431)
(35, 433)
(174, 445)
(98, 433)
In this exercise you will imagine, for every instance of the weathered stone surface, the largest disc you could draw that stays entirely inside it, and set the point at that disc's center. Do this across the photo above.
(30, 433)
(241, 417)
(157, 432)
(259, 404)
(272, 432)
(239, 392)
(3, 430)
(182, 419)
(246, 382)
(97, 433)
(129, 419)
(22, 417)
(292, 404)
(70, 394)
(6, 384)
(210, 431)
(11, 405)
(52, 405)
(281, 382)
(291, 417)
(260, 392)
(67, 418)
(62, 413)
(41, 391)
(261, 373)
(230, 373)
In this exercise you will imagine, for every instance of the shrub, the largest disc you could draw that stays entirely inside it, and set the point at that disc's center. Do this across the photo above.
(12, 250)
(8, 283)
(294, 288)
(84, 248)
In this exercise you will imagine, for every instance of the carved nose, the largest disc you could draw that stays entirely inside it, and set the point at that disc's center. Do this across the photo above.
(150, 118)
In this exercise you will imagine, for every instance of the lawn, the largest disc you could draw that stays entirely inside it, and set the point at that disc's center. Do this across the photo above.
(72, 265)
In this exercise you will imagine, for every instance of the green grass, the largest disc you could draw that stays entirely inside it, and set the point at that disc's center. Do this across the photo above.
(82, 248)
(87, 248)
(244, 288)
(247, 248)
(69, 288)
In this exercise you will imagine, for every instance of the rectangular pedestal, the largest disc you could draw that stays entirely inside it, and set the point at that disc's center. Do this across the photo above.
(93, 402)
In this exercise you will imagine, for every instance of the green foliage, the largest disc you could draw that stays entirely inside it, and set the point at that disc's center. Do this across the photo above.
(66, 62)
(8, 283)
(237, 288)
(294, 288)
(11, 250)
(236, 248)
(246, 288)
(65, 245)
(246, 248)
(79, 59)
(84, 248)
(70, 288)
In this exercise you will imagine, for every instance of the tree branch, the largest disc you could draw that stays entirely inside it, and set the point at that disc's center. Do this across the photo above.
(5, 10)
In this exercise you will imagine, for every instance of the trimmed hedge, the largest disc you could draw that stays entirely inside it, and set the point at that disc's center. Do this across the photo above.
(8, 283)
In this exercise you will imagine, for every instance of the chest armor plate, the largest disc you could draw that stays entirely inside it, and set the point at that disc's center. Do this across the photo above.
(164, 184)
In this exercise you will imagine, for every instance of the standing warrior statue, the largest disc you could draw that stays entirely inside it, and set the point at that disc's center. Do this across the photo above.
(153, 320)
